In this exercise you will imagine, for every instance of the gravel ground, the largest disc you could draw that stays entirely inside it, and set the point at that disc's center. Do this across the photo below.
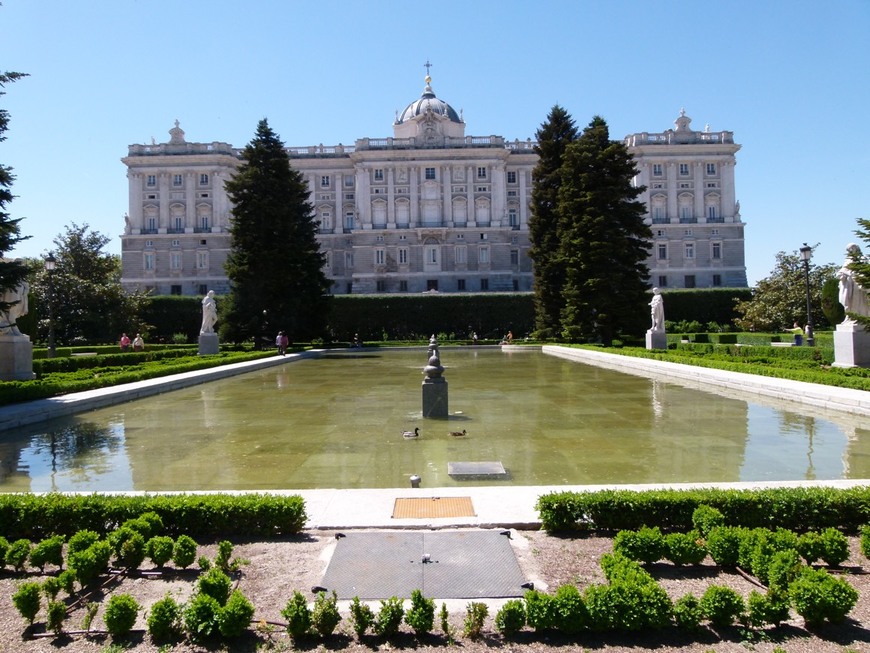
(276, 569)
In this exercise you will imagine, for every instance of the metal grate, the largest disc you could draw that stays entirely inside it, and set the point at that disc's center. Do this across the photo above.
(433, 507)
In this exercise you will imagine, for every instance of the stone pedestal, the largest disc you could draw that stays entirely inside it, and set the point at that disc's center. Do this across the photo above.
(656, 339)
(435, 398)
(208, 344)
(851, 346)
(16, 358)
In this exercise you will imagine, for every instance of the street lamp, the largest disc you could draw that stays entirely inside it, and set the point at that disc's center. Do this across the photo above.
(50, 264)
(806, 255)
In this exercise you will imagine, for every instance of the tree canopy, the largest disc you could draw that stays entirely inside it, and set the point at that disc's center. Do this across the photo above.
(860, 265)
(12, 272)
(275, 266)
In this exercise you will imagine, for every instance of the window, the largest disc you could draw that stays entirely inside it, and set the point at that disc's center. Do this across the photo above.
(483, 236)
(174, 290)
(659, 214)
(430, 173)
(460, 284)
(348, 260)
(484, 284)
(684, 169)
(660, 233)
(348, 220)
(348, 181)
(379, 238)
(711, 212)
(203, 180)
(714, 232)
(379, 174)
(381, 285)
(711, 168)
(512, 193)
(176, 243)
(663, 251)
(326, 220)
(483, 254)
(203, 222)
(461, 255)
(177, 180)
(657, 169)
(432, 255)
(460, 236)
(175, 261)
(203, 289)
(716, 250)
(690, 250)
(148, 262)
(481, 172)
(149, 243)
(690, 281)
(151, 180)
(687, 232)
(515, 257)
(403, 286)
(380, 256)
(403, 256)
(663, 281)
(511, 177)
(202, 260)
(179, 224)
(481, 189)
(717, 279)
(431, 284)
(685, 213)
(324, 181)
(516, 284)
(513, 218)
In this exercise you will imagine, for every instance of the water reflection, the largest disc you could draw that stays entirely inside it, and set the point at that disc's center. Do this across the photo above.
(337, 422)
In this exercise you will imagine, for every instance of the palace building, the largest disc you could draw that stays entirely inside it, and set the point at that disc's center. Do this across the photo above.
(427, 209)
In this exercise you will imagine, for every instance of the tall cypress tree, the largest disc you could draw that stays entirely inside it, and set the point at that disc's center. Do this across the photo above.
(12, 272)
(603, 239)
(861, 266)
(275, 266)
(553, 138)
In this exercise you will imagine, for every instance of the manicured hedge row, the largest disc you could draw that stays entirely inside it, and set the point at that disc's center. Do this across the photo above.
(801, 509)
(202, 516)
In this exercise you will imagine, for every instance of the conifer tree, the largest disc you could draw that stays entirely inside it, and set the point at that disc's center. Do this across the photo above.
(275, 266)
(603, 239)
(553, 138)
(861, 266)
(12, 272)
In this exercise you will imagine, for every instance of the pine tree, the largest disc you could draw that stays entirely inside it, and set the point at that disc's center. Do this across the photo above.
(603, 239)
(861, 266)
(275, 266)
(553, 138)
(12, 272)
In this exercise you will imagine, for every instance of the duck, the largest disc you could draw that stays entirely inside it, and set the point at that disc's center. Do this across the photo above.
(457, 434)
(411, 434)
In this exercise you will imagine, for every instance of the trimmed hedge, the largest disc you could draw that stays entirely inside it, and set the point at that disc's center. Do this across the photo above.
(800, 509)
(202, 516)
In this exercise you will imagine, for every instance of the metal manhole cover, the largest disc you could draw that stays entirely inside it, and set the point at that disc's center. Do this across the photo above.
(433, 508)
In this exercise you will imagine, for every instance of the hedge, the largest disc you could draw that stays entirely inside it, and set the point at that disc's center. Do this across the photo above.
(800, 509)
(201, 516)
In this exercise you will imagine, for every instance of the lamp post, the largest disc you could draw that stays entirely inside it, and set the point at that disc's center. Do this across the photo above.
(806, 254)
(50, 264)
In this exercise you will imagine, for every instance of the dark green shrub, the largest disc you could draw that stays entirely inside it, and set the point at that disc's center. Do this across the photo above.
(706, 518)
(818, 597)
(687, 613)
(721, 605)
(511, 618)
(389, 617)
(200, 616)
(129, 547)
(598, 600)
(617, 567)
(27, 599)
(235, 617)
(325, 616)
(4, 546)
(570, 611)
(644, 545)
(421, 615)
(723, 545)
(216, 584)
(685, 548)
(159, 549)
(184, 552)
(120, 614)
(475, 616)
(164, 619)
(540, 610)
(67, 580)
(835, 547)
(87, 565)
(810, 546)
(51, 587)
(55, 616)
(361, 616)
(151, 521)
(784, 568)
(48, 552)
(766, 609)
(446, 628)
(82, 540)
(223, 559)
(18, 554)
(865, 541)
(628, 605)
(298, 616)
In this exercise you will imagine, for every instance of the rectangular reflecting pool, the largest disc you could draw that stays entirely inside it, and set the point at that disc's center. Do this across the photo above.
(337, 422)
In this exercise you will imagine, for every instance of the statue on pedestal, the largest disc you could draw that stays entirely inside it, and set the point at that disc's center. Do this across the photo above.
(853, 296)
(16, 301)
(657, 311)
(209, 313)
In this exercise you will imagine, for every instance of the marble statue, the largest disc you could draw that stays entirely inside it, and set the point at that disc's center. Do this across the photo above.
(10, 315)
(657, 311)
(209, 313)
(853, 296)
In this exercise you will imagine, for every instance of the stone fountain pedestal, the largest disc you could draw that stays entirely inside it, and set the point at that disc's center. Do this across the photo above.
(656, 339)
(435, 402)
(208, 344)
(16, 358)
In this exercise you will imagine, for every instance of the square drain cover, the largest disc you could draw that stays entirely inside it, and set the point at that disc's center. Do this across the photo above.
(488, 468)
(433, 507)
(442, 565)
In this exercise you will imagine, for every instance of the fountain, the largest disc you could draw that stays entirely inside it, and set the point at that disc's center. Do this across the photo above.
(435, 400)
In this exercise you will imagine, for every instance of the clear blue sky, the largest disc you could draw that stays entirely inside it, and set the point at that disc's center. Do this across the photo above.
(791, 79)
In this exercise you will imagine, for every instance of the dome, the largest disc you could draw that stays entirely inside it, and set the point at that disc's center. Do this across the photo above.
(428, 102)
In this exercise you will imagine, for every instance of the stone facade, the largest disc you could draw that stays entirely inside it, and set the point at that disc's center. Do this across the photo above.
(427, 209)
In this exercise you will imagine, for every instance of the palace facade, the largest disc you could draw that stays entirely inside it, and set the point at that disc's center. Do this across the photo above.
(428, 209)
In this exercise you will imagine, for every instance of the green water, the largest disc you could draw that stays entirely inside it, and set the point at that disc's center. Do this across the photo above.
(338, 422)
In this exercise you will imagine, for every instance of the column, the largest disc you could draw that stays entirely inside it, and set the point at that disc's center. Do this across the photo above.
(163, 216)
(363, 198)
(414, 191)
(499, 195)
(729, 200)
(446, 197)
(190, 187)
(672, 193)
(524, 204)
(699, 192)
(391, 198)
(471, 216)
(134, 184)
